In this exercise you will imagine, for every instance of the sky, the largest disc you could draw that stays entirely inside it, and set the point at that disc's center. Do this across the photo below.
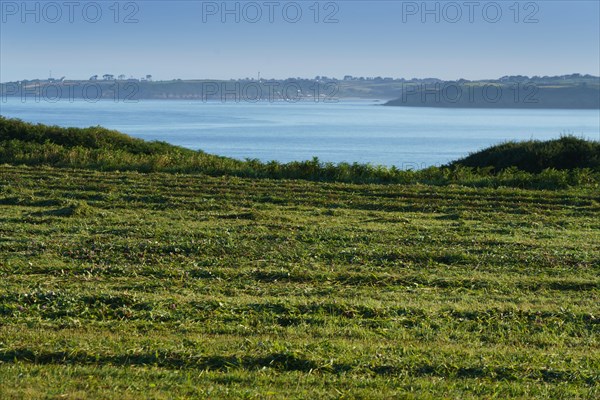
(280, 39)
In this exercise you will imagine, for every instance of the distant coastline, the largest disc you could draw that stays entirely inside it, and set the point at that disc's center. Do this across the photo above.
(562, 92)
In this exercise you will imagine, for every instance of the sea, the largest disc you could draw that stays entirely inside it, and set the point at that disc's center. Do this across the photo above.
(362, 131)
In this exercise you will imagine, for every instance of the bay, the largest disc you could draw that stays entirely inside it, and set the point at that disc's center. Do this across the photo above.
(350, 130)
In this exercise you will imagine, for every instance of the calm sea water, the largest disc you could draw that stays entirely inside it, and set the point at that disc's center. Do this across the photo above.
(360, 130)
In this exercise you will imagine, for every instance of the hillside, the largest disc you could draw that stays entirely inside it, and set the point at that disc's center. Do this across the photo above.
(96, 138)
(534, 156)
(527, 96)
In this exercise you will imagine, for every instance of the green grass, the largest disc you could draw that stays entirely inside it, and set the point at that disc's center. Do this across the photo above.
(135, 270)
(160, 285)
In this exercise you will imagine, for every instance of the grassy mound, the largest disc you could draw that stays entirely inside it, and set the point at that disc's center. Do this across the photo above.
(568, 152)
(90, 138)
(100, 149)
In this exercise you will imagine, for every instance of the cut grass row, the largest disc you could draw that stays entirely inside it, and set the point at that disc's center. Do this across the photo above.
(160, 285)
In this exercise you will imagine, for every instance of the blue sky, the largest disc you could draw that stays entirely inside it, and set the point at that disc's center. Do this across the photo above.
(188, 39)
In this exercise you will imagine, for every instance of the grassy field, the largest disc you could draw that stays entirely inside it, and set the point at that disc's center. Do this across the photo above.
(125, 285)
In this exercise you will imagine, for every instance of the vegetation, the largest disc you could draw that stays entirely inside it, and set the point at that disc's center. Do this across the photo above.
(568, 152)
(93, 138)
(132, 283)
(97, 148)
(128, 285)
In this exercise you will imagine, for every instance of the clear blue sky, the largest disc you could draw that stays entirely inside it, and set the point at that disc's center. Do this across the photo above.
(176, 39)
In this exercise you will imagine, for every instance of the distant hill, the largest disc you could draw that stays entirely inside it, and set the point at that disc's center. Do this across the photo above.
(528, 96)
(568, 152)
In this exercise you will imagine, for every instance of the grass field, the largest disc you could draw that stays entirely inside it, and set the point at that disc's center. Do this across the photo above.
(122, 285)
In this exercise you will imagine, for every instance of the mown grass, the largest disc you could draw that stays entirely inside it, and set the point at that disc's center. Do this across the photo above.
(161, 285)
